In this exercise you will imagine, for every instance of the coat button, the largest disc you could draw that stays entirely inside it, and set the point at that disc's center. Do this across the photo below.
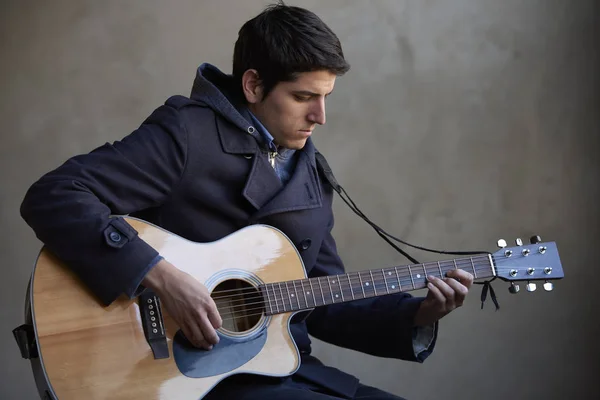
(115, 237)
(305, 244)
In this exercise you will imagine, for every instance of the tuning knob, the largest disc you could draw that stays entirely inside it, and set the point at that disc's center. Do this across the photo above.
(535, 239)
(519, 242)
(548, 286)
(531, 287)
(514, 288)
(502, 243)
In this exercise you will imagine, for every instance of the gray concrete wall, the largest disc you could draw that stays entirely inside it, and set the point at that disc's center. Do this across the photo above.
(461, 122)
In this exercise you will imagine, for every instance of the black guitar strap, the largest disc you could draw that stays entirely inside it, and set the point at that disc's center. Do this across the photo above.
(326, 171)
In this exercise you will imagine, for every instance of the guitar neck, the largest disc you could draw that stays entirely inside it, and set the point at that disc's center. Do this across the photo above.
(305, 294)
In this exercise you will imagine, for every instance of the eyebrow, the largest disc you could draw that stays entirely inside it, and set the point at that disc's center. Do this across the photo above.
(309, 93)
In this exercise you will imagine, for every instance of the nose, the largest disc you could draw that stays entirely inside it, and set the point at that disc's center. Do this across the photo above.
(317, 113)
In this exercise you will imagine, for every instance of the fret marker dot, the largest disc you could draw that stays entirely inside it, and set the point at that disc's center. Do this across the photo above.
(292, 294)
(332, 281)
(418, 275)
(307, 292)
(389, 273)
(393, 286)
(367, 284)
(337, 295)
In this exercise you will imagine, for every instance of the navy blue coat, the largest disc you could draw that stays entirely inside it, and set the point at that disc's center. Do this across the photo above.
(193, 169)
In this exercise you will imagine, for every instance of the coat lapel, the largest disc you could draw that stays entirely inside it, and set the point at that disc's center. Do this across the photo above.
(263, 188)
(262, 183)
(302, 192)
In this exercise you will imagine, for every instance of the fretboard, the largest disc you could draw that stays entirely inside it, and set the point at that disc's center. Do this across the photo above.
(303, 294)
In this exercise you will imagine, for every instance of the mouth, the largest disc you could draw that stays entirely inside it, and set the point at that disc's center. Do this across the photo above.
(305, 133)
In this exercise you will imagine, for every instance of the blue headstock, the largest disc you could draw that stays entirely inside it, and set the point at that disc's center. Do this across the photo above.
(533, 262)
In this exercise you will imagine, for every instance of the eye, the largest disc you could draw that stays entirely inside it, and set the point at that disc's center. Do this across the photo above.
(301, 98)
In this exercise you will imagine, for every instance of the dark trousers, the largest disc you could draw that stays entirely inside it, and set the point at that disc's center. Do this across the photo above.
(251, 387)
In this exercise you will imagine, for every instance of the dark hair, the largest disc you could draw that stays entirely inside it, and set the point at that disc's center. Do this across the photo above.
(283, 41)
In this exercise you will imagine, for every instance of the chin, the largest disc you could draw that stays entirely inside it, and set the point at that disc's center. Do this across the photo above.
(296, 144)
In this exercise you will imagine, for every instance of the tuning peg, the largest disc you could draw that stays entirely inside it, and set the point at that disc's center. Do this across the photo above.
(531, 287)
(502, 243)
(548, 286)
(519, 242)
(535, 239)
(514, 288)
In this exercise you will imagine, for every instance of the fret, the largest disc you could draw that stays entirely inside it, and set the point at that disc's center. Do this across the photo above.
(473, 265)
(362, 285)
(455, 266)
(282, 298)
(440, 268)
(295, 294)
(268, 298)
(370, 284)
(275, 296)
(374, 283)
(411, 277)
(399, 281)
(312, 291)
(425, 272)
(304, 292)
(341, 289)
(350, 283)
(297, 297)
(330, 290)
(337, 295)
(385, 281)
(321, 287)
(290, 295)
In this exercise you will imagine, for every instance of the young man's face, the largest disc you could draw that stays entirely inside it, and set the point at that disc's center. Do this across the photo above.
(293, 109)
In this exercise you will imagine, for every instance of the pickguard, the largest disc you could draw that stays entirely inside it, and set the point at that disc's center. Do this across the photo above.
(225, 356)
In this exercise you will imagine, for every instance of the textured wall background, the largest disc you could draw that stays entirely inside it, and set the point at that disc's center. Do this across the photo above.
(460, 122)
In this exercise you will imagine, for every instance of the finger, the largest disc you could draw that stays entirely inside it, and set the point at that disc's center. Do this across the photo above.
(460, 291)
(193, 333)
(436, 294)
(445, 289)
(214, 317)
(463, 277)
(210, 335)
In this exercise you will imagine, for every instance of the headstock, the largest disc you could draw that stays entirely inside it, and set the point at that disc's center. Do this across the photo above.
(536, 261)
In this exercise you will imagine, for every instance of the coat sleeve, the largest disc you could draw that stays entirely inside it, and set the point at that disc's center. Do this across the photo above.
(70, 208)
(379, 326)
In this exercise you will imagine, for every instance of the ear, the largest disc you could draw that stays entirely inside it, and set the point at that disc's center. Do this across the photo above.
(252, 86)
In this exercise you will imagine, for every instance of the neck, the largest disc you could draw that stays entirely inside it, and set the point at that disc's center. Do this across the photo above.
(306, 294)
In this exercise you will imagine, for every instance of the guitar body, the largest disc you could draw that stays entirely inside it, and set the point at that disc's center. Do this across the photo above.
(89, 351)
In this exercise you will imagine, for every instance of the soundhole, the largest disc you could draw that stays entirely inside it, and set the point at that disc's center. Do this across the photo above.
(240, 305)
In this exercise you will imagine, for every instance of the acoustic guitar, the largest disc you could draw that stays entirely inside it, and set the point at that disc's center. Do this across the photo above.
(132, 349)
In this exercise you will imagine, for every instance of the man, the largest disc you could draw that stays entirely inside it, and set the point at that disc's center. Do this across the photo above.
(237, 152)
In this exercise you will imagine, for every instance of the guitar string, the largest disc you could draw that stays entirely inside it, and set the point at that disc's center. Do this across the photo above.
(379, 279)
(467, 264)
(285, 305)
(344, 286)
(379, 283)
(280, 300)
(434, 265)
(233, 316)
